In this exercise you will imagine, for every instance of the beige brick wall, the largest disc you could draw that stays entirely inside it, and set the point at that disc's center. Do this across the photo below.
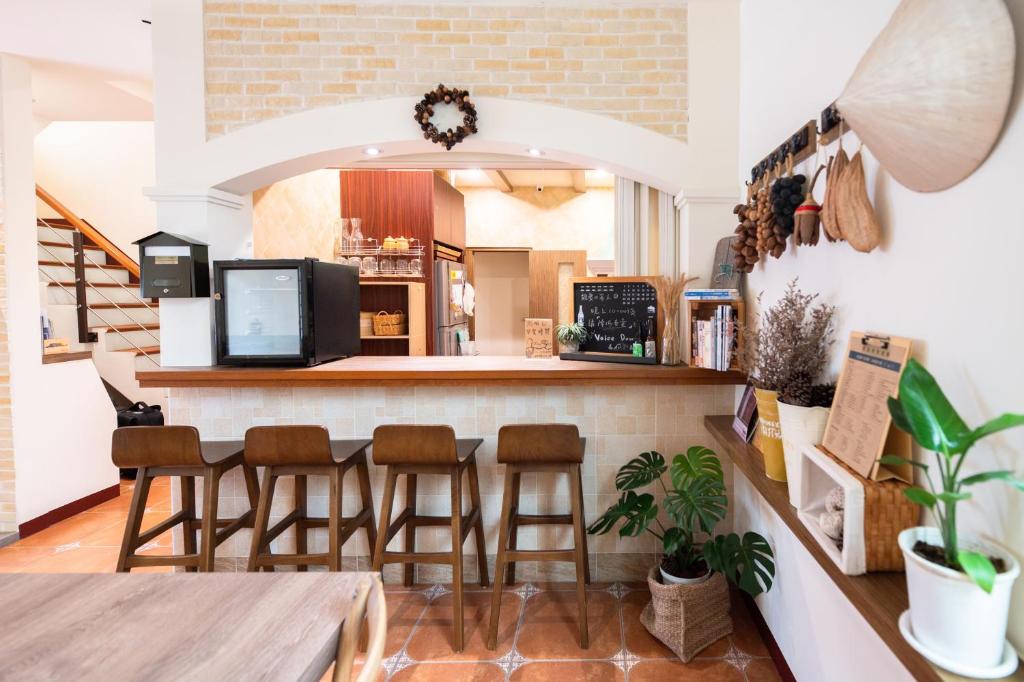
(621, 59)
(8, 520)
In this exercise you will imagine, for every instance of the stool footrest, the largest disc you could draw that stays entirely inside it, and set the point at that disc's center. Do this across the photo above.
(418, 558)
(161, 528)
(292, 559)
(541, 519)
(143, 560)
(540, 555)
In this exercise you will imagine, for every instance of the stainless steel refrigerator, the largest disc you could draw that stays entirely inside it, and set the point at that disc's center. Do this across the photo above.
(449, 283)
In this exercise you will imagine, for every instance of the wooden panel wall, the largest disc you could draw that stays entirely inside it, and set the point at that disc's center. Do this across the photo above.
(545, 295)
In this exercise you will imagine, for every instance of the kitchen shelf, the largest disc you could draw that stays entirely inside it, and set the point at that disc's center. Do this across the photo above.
(378, 337)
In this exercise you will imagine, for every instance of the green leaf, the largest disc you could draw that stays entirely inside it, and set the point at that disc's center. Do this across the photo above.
(673, 539)
(979, 568)
(920, 496)
(899, 418)
(700, 504)
(896, 460)
(1000, 423)
(994, 476)
(927, 415)
(639, 471)
(952, 498)
(698, 462)
(748, 562)
(637, 512)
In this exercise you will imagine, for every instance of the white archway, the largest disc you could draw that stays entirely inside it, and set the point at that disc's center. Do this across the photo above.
(244, 160)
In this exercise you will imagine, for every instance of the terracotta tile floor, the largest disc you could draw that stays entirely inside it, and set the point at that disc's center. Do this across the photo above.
(537, 637)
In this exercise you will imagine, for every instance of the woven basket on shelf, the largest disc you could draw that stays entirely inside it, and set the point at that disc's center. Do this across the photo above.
(687, 618)
(389, 324)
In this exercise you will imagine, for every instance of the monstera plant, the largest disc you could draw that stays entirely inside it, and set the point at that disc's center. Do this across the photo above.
(694, 504)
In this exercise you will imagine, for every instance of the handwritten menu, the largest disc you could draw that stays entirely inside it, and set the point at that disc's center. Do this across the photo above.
(538, 337)
(611, 312)
(859, 422)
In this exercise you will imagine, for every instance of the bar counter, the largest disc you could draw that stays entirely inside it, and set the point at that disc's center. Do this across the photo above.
(416, 371)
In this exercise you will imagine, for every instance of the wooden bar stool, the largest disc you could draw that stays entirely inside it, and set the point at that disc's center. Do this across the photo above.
(177, 451)
(302, 451)
(413, 450)
(549, 448)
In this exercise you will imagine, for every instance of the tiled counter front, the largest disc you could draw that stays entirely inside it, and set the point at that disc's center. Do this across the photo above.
(618, 422)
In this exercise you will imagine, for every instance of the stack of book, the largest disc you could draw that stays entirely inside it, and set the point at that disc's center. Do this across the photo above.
(711, 294)
(714, 340)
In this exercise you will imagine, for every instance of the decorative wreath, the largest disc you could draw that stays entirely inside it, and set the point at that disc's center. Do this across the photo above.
(445, 95)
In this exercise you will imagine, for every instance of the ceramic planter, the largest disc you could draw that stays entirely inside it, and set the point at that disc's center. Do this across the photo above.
(571, 347)
(801, 426)
(949, 613)
(669, 579)
(769, 435)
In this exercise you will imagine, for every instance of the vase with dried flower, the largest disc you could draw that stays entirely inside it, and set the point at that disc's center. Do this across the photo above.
(669, 292)
(786, 355)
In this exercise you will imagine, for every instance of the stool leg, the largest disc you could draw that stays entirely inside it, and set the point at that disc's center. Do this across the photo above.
(385, 519)
(133, 524)
(457, 625)
(478, 527)
(262, 523)
(189, 530)
(578, 531)
(499, 564)
(334, 520)
(586, 552)
(211, 494)
(409, 570)
(252, 489)
(301, 530)
(366, 498)
(513, 533)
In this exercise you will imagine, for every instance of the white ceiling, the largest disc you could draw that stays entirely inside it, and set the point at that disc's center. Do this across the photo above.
(545, 177)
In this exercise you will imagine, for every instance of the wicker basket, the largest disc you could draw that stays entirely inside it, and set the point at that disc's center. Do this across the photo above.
(687, 618)
(389, 324)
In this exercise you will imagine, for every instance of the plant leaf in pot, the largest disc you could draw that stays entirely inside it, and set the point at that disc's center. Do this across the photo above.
(959, 587)
(571, 336)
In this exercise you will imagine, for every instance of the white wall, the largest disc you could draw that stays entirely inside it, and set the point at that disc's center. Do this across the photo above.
(502, 281)
(946, 274)
(62, 417)
(98, 170)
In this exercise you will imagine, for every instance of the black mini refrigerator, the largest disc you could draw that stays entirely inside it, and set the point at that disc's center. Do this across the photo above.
(285, 312)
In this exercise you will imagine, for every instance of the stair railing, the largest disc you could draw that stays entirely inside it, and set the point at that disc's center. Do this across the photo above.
(89, 231)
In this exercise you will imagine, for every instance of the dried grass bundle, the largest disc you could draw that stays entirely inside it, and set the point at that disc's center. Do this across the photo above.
(669, 291)
(789, 350)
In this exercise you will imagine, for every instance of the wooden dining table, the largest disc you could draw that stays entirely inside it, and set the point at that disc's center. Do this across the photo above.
(180, 626)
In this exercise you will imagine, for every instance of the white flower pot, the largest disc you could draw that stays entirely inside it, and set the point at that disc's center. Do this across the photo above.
(949, 613)
(801, 426)
(669, 579)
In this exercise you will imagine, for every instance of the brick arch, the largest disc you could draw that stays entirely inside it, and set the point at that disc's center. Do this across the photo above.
(258, 155)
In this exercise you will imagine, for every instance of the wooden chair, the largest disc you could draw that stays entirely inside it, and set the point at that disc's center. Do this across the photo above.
(369, 593)
(414, 450)
(302, 451)
(545, 448)
(177, 451)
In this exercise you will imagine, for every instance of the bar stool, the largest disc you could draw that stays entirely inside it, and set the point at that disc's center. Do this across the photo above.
(548, 448)
(177, 451)
(302, 451)
(413, 450)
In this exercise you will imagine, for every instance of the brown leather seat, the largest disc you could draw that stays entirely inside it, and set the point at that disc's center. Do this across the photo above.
(540, 443)
(304, 445)
(149, 446)
(417, 444)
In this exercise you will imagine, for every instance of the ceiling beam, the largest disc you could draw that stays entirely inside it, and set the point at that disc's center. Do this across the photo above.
(500, 181)
(579, 181)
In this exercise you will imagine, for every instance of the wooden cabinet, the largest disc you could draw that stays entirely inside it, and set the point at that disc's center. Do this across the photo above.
(449, 214)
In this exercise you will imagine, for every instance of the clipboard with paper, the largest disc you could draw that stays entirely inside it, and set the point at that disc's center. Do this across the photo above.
(859, 428)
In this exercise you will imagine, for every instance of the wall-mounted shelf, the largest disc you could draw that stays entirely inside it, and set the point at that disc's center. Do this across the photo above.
(405, 295)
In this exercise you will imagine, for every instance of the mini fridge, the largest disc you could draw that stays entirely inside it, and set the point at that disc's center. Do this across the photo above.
(449, 283)
(285, 311)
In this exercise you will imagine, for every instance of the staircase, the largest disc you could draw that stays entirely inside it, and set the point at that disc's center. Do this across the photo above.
(121, 329)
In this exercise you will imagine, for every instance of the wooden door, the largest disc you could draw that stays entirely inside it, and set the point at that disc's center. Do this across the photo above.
(550, 289)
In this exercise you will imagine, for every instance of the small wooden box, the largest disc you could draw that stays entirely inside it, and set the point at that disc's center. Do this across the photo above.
(704, 309)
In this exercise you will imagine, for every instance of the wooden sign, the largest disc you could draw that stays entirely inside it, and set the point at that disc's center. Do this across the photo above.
(538, 337)
(858, 429)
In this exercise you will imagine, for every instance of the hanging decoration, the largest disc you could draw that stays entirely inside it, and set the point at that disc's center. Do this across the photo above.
(443, 95)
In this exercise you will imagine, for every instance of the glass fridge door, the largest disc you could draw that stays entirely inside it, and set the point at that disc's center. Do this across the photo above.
(263, 312)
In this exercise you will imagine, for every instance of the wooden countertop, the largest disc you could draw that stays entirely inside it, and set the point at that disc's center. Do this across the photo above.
(367, 370)
(879, 597)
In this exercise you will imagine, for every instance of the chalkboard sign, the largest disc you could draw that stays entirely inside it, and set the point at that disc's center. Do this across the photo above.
(611, 309)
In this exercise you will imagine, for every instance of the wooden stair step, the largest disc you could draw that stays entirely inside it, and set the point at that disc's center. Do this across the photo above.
(112, 306)
(134, 327)
(68, 246)
(71, 285)
(56, 223)
(149, 350)
(88, 265)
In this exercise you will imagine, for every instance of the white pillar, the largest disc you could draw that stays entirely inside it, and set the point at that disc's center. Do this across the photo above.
(627, 232)
(704, 219)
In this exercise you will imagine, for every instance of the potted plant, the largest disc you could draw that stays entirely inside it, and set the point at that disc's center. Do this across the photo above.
(959, 585)
(788, 352)
(696, 563)
(571, 336)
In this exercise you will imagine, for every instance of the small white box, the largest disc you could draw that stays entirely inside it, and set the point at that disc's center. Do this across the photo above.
(819, 474)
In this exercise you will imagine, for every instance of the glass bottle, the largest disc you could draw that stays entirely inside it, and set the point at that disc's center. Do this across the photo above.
(357, 233)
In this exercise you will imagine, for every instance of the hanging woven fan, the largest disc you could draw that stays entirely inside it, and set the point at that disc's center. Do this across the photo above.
(930, 96)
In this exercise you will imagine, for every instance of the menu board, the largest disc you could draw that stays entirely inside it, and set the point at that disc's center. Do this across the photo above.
(538, 337)
(611, 311)
(859, 423)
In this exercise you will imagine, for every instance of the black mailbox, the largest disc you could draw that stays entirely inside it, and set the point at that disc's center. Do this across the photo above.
(172, 266)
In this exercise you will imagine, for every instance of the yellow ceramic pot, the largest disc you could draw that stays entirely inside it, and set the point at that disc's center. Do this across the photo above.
(769, 434)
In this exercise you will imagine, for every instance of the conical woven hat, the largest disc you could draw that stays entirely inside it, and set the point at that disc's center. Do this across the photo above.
(930, 96)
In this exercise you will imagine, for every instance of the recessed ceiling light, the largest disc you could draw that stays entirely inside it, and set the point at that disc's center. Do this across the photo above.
(533, 151)
(601, 173)
(372, 151)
